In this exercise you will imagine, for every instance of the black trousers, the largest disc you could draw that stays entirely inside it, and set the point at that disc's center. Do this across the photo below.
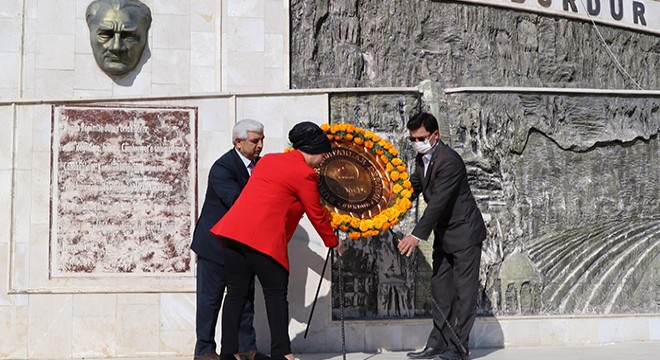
(455, 288)
(211, 283)
(242, 263)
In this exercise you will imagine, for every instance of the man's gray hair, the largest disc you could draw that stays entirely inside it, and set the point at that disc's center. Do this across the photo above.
(244, 126)
(96, 5)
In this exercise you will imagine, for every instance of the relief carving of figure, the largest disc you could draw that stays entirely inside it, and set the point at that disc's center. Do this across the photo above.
(118, 32)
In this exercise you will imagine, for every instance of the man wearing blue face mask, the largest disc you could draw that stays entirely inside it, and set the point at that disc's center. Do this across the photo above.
(458, 227)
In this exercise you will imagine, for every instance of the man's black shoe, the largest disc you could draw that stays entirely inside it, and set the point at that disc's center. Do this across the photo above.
(452, 355)
(427, 353)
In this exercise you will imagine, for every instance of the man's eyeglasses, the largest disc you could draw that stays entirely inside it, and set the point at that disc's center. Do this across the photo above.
(419, 138)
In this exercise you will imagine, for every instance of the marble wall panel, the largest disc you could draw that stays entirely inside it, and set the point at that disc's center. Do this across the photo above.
(14, 330)
(55, 51)
(205, 15)
(177, 312)
(10, 75)
(50, 326)
(93, 337)
(137, 338)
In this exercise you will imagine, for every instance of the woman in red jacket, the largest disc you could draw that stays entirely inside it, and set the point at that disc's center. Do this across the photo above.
(257, 229)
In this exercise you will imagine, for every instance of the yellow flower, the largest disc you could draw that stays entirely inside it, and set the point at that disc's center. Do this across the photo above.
(397, 188)
(389, 167)
(394, 175)
(407, 184)
(401, 168)
(396, 161)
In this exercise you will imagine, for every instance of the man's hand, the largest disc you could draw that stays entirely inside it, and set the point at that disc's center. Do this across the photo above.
(407, 245)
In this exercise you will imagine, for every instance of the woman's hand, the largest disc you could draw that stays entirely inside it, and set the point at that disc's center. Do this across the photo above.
(340, 248)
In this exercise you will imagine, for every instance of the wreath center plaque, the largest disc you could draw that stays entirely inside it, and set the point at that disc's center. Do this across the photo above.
(353, 182)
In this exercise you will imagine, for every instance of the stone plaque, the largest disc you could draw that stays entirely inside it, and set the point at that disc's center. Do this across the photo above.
(123, 190)
(353, 181)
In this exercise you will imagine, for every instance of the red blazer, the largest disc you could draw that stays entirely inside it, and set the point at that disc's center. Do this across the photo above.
(281, 188)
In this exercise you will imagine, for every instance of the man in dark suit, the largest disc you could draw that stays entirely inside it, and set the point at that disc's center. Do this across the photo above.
(227, 178)
(458, 227)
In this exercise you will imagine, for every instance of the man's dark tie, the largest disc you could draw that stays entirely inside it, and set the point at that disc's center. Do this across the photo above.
(250, 167)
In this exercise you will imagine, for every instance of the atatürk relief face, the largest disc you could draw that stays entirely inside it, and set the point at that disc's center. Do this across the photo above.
(118, 34)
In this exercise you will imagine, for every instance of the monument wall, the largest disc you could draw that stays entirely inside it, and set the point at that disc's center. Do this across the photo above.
(94, 259)
(560, 162)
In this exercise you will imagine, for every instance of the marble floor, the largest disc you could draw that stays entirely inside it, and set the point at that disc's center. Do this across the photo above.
(628, 351)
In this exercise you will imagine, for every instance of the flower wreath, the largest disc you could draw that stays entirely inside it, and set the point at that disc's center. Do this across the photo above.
(385, 152)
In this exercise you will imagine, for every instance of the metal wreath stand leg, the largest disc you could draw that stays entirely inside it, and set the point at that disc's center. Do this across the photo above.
(341, 297)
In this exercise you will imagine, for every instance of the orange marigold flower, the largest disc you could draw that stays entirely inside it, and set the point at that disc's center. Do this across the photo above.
(394, 151)
(397, 188)
(369, 135)
(407, 184)
(325, 127)
(375, 138)
(388, 167)
(385, 160)
(330, 137)
(348, 137)
(358, 141)
(354, 235)
(337, 137)
(396, 162)
(401, 168)
(394, 175)
(379, 151)
(343, 228)
(368, 144)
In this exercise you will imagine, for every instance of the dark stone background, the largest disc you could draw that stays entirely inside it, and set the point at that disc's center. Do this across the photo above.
(568, 182)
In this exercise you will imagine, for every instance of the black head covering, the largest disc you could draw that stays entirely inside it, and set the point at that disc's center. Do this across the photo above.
(308, 137)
